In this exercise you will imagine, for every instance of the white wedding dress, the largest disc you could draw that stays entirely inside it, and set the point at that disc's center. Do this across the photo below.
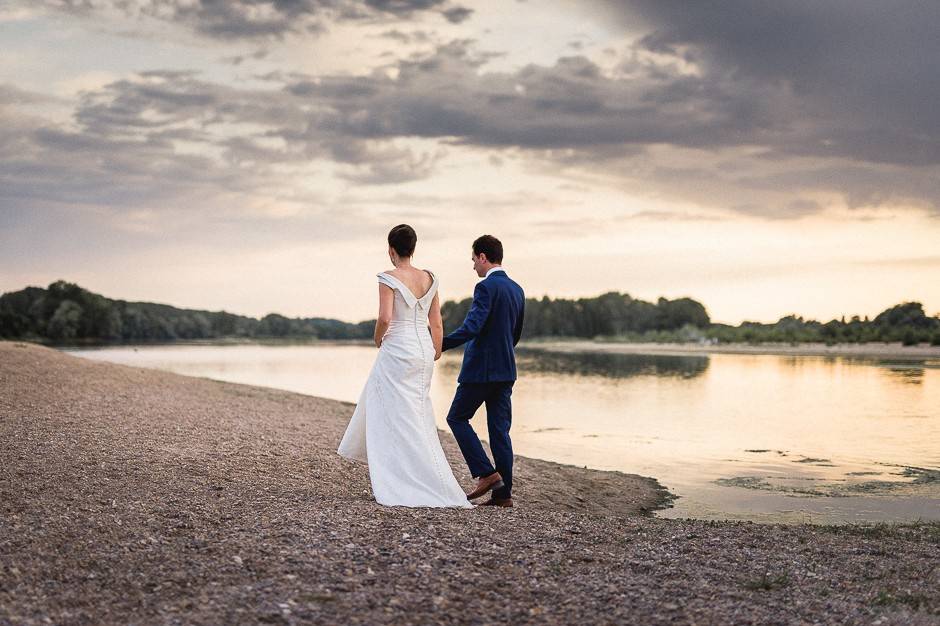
(392, 428)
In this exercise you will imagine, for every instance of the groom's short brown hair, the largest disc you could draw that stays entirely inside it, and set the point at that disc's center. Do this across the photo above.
(490, 246)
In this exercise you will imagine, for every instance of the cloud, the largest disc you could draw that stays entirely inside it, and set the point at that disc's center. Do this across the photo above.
(568, 105)
(13, 95)
(863, 71)
(456, 15)
(773, 111)
(238, 59)
(673, 216)
(574, 103)
(383, 164)
(255, 19)
(169, 138)
(754, 142)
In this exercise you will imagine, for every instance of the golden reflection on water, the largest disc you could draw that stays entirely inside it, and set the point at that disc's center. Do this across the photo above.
(779, 438)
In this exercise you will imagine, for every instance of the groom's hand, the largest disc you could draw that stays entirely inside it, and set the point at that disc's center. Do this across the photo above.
(437, 354)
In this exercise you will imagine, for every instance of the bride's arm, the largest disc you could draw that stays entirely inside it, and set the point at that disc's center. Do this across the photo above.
(386, 301)
(436, 324)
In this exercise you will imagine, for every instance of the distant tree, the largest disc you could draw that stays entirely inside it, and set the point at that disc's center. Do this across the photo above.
(274, 325)
(643, 316)
(224, 323)
(365, 329)
(907, 314)
(612, 314)
(133, 325)
(454, 312)
(832, 332)
(112, 328)
(675, 314)
(66, 322)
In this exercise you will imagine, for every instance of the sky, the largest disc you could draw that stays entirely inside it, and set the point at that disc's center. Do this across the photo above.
(766, 158)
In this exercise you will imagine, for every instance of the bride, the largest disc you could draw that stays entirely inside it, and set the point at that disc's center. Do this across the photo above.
(392, 428)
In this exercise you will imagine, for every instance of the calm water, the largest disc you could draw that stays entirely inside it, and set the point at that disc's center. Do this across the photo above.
(766, 438)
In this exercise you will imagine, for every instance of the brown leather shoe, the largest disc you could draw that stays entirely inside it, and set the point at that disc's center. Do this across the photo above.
(506, 502)
(493, 481)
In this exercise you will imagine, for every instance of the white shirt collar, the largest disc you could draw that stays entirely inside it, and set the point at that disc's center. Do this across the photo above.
(498, 268)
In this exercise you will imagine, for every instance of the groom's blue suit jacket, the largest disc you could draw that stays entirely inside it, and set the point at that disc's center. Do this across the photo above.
(491, 329)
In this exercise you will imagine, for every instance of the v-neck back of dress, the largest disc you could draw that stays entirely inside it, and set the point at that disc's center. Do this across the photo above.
(407, 304)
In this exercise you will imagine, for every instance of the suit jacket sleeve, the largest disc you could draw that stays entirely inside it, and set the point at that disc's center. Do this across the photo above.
(517, 329)
(473, 323)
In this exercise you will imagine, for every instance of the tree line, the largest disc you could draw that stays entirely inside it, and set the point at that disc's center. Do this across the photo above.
(65, 313)
(906, 323)
(608, 315)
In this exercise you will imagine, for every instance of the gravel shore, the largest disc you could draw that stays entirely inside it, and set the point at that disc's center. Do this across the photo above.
(137, 496)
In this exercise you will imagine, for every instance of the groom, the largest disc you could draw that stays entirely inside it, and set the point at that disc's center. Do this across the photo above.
(491, 330)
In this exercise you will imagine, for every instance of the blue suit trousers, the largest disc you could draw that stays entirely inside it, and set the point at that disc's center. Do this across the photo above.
(498, 399)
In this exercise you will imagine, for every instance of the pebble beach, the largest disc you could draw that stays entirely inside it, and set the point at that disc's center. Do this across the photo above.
(130, 495)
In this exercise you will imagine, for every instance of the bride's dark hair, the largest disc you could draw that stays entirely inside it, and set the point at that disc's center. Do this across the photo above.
(403, 239)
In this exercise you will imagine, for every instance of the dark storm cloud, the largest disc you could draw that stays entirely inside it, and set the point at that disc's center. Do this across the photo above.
(851, 85)
(863, 73)
(260, 19)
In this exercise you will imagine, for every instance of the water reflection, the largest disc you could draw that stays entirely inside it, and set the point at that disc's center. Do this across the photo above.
(909, 372)
(611, 365)
(907, 375)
